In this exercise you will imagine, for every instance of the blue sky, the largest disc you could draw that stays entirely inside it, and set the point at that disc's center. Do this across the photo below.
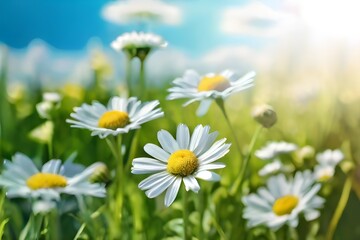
(69, 24)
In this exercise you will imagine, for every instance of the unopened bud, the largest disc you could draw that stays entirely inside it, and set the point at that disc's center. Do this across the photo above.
(101, 174)
(306, 152)
(265, 115)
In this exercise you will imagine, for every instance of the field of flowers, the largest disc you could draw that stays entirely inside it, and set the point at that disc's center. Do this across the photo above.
(218, 155)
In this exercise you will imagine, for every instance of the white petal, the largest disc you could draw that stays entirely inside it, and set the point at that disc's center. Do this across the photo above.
(196, 136)
(191, 184)
(156, 152)
(167, 141)
(159, 188)
(26, 164)
(152, 180)
(183, 136)
(211, 166)
(203, 107)
(53, 166)
(147, 165)
(209, 176)
(311, 215)
(172, 192)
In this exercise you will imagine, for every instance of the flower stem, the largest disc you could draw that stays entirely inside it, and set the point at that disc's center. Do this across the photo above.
(185, 215)
(243, 168)
(201, 207)
(116, 204)
(50, 148)
(340, 208)
(220, 103)
(128, 75)
(142, 80)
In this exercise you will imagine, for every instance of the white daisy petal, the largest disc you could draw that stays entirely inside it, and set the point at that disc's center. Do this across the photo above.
(147, 165)
(203, 107)
(183, 136)
(191, 184)
(172, 191)
(196, 137)
(25, 163)
(152, 180)
(207, 175)
(161, 187)
(167, 142)
(156, 152)
(53, 166)
(211, 166)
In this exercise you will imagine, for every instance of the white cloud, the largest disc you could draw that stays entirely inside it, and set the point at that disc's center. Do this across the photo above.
(254, 19)
(122, 12)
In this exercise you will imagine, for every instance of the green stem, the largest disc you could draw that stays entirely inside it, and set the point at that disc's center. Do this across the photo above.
(50, 149)
(218, 226)
(120, 177)
(46, 227)
(128, 75)
(243, 168)
(201, 207)
(220, 103)
(142, 80)
(130, 154)
(185, 215)
(116, 204)
(340, 208)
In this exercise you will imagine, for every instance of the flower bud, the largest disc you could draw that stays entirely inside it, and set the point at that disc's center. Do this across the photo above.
(101, 174)
(43, 133)
(265, 115)
(306, 152)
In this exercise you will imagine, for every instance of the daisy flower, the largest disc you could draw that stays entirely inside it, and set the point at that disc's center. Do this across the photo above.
(209, 87)
(21, 178)
(273, 149)
(119, 116)
(323, 173)
(51, 102)
(138, 43)
(274, 167)
(181, 160)
(327, 160)
(282, 201)
(330, 157)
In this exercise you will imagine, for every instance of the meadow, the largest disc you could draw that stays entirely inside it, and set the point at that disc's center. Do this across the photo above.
(264, 149)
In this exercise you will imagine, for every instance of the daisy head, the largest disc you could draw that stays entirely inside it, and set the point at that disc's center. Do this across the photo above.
(273, 149)
(119, 116)
(208, 87)
(323, 173)
(21, 178)
(274, 167)
(138, 44)
(282, 201)
(330, 157)
(180, 160)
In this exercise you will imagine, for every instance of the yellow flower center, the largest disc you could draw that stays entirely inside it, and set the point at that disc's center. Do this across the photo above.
(217, 82)
(182, 162)
(114, 119)
(46, 180)
(285, 205)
